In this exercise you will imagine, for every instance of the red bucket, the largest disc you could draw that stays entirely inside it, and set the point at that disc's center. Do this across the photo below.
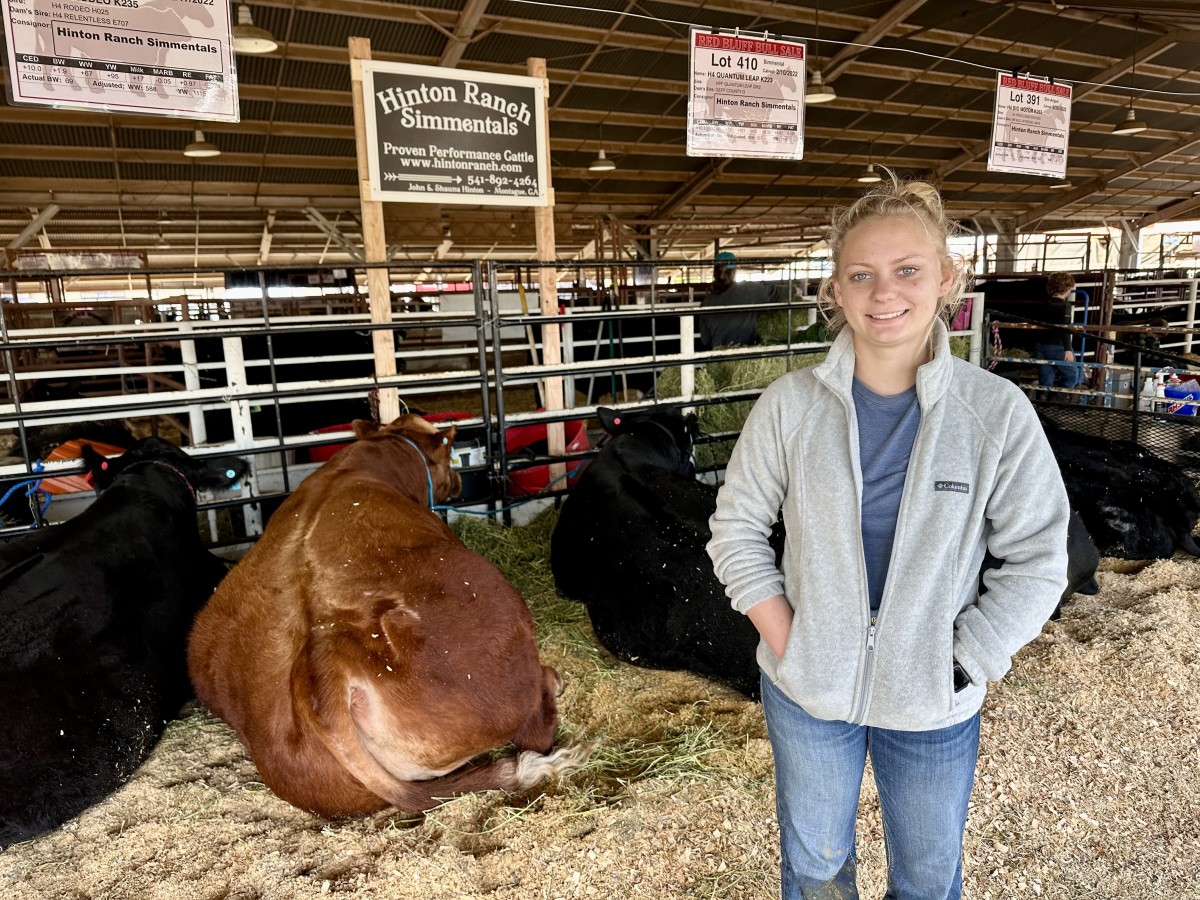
(533, 479)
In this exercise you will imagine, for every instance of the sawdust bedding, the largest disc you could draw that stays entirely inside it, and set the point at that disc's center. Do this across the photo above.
(1087, 788)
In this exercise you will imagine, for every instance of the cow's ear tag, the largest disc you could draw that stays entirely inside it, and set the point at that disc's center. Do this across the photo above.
(445, 442)
(617, 420)
(104, 466)
(229, 473)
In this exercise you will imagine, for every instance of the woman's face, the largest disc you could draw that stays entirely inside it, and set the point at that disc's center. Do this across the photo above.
(888, 283)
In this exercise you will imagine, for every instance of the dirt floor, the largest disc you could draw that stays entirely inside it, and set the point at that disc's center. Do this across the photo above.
(1088, 786)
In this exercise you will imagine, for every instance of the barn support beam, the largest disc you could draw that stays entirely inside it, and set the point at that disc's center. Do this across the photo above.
(49, 211)
(1006, 245)
(383, 340)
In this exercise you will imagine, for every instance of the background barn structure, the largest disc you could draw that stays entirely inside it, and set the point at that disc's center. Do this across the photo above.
(225, 305)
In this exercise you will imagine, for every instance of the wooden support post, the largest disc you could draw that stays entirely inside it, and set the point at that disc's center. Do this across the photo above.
(543, 222)
(374, 243)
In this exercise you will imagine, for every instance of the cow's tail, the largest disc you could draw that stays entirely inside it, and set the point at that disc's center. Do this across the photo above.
(518, 773)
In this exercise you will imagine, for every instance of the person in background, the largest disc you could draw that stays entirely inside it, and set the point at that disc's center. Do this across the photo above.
(1056, 345)
(735, 328)
(895, 467)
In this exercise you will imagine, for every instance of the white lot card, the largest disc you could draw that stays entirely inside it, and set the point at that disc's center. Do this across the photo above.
(746, 97)
(151, 57)
(1030, 127)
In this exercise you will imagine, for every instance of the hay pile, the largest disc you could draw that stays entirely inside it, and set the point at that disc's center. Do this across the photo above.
(1087, 783)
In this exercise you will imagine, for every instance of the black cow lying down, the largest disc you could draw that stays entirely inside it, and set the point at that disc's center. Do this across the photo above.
(1134, 504)
(95, 614)
(1082, 558)
(629, 543)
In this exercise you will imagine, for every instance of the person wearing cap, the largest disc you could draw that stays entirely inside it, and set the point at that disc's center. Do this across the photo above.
(1055, 344)
(734, 328)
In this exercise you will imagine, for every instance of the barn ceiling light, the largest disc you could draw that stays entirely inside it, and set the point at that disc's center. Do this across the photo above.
(818, 91)
(869, 175)
(200, 148)
(1132, 124)
(248, 37)
(1060, 185)
(602, 163)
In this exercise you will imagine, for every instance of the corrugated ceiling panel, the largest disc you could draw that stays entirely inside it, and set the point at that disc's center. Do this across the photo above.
(599, 14)
(405, 34)
(279, 175)
(316, 114)
(50, 170)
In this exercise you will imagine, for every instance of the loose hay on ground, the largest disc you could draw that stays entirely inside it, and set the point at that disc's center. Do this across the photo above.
(1086, 786)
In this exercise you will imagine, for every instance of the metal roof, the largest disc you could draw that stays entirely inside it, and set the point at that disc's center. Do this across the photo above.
(915, 82)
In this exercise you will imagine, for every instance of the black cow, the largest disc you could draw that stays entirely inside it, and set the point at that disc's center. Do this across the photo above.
(629, 543)
(1082, 558)
(1135, 504)
(95, 617)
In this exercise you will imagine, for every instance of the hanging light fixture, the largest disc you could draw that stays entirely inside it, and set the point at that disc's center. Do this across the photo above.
(200, 148)
(1132, 124)
(601, 163)
(869, 175)
(248, 37)
(1060, 185)
(818, 91)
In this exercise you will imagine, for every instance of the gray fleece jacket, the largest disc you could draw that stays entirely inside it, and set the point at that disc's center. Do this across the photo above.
(981, 476)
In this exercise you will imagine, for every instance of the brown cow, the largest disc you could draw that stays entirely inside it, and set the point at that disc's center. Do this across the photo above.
(364, 655)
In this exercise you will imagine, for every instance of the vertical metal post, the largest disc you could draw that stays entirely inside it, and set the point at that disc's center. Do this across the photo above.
(478, 282)
(501, 455)
(243, 429)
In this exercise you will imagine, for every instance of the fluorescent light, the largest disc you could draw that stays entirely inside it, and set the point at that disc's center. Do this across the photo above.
(200, 148)
(1059, 185)
(1131, 125)
(248, 37)
(602, 163)
(818, 91)
(869, 175)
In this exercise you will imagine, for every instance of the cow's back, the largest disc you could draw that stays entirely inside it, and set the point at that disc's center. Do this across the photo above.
(92, 655)
(360, 628)
(630, 544)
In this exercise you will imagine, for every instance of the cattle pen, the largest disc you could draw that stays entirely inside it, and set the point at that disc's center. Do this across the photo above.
(1092, 757)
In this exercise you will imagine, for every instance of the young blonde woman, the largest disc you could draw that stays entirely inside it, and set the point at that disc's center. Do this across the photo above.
(895, 466)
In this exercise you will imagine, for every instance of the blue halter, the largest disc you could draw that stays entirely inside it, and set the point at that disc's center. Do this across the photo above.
(428, 476)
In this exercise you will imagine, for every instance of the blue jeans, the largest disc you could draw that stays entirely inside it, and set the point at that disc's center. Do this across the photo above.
(1058, 374)
(924, 780)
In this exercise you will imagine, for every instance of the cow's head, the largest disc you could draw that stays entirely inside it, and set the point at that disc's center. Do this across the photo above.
(660, 435)
(215, 472)
(413, 431)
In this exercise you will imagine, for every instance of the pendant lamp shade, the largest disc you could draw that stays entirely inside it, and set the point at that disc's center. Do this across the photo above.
(869, 175)
(818, 91)
(200, 148)
(248, 37)
(1130, 125)
(602, 163)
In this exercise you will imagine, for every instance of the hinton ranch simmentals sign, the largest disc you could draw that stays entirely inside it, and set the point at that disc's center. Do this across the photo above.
(439, 135)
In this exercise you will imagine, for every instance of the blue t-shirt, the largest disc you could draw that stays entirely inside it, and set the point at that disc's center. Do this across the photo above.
(887, 427)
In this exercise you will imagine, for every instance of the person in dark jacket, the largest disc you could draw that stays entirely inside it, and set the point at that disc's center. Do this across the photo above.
(1055, 345)
(735, 328)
